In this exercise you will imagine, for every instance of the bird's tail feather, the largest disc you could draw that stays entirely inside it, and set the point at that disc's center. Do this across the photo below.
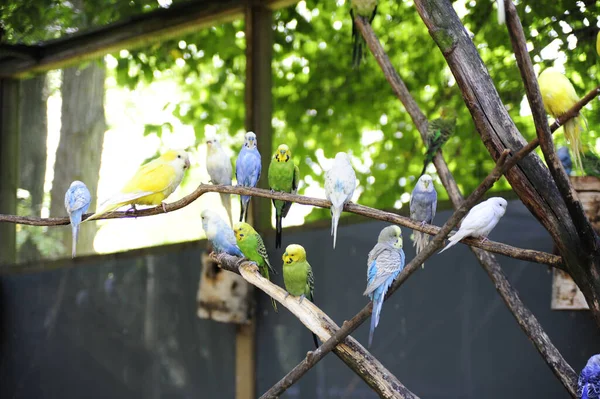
(420, 242)
(573, 128)
(244, 201)
(584, 392)
(278, 230)
(315, 340)
(335, 218)
(226, 201)
(454, 239)
(75, 231)
(377, 304)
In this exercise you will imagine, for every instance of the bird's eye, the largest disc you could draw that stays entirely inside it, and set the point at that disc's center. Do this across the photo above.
(178, 156)
(241, 235)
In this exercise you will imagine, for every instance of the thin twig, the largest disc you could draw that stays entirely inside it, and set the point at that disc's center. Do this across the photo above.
(527, 321)
(584, 228)
(351, 352)
(349, 326)
(492, 246)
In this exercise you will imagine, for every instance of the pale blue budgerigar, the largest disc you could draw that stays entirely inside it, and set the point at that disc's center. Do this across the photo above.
(77, 202)
(565, 159)
(247, 170)
(385, 262)
(340, 182)
(588, 384)
(423, 203)
(218, 165)
(219, 234)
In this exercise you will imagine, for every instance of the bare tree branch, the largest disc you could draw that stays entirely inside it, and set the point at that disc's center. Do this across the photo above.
(517, 36)
(496, 247)
(524, 317)
(350, 352)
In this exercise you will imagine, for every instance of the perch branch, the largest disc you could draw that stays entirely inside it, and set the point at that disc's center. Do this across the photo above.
(349, 326)
(496, 247)
(526, 320)
(351, 351)
(517, 36)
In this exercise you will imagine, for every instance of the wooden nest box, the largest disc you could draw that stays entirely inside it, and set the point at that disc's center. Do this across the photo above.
(565, 293)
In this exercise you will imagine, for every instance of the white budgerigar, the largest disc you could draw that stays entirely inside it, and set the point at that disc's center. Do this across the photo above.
(480, 220)
(423, 203)
(340, 182)
(218, 165)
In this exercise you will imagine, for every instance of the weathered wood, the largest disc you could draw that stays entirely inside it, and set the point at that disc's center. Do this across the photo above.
(162, 24)
(259, 101)
(9, 164)
(527, 321)
(531, 180)
(350, 351)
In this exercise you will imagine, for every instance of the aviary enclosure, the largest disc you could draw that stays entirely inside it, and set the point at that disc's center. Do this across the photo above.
(544, 188)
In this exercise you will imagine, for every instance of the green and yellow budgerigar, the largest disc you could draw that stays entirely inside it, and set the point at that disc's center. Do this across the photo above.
(253, 248)
(284, 177)
(559, 96)
(438, 132)
(298, 276)
(366, 9)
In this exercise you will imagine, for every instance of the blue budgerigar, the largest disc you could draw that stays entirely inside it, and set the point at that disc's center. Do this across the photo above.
(588, 384)
(340, 182)
(565, 159)
(385, 262)
(219, 234)
(247, 170)
(423, 204)
(77, 202)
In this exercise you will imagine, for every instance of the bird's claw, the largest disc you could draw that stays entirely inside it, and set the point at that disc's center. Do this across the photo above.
(164, 207)
(286, 295)
(484, 239)
(301, 299)
(133, 209)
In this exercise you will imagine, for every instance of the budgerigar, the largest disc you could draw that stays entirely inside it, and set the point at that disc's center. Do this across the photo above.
(151, 184)
(219, 234)
(480, 220)
(218, 165)
(77, 202)
(385, 262)
(340, 182)
(588, 384)
(438, 132)
(247, 170)
(423, 204)
(253, 248)
(284, 177)
(363, 8)
(298, 276)
(565, 159)
(559, 96)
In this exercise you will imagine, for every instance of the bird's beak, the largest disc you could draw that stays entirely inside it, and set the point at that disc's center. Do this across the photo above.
(209, 143)
(187, 163)
(427, 184)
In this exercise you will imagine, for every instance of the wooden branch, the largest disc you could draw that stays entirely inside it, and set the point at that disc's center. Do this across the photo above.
(349, 326)
(351, 351)
(135, 31)
(524, 317)
(532, 90)
(492, 246)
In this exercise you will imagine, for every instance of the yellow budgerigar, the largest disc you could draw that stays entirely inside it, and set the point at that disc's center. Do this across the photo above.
(559, 96)
(151, 184)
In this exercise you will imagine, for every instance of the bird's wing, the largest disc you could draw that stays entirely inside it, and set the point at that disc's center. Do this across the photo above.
(262, 251)
(388, 263)
(433, 206)
(310, 279)
(78, 199)
(296, 179)
(154, 177)
(478, 218)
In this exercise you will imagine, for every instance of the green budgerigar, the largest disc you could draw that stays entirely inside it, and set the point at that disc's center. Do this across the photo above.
(298, 276)
(362, 8)
(438, 132)
(252, 246)
(283, 177)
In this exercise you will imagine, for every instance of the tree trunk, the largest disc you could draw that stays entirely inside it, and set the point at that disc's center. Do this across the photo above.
(80, 147)
(531, 179)
(32, 152)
